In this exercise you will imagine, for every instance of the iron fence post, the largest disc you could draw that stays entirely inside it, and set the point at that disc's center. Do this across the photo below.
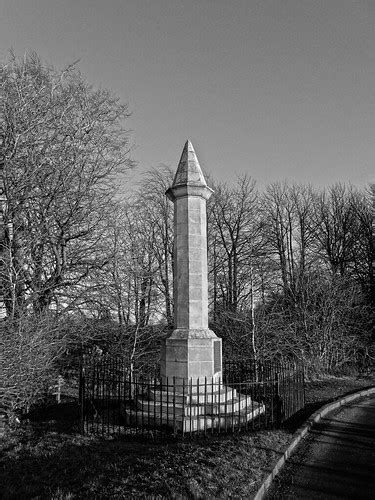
(278, 400)
(81, 397)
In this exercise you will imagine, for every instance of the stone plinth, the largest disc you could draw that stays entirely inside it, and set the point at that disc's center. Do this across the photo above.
(191, 359)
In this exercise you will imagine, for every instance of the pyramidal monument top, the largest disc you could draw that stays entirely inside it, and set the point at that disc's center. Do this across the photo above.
(189, 171)
(189, 179)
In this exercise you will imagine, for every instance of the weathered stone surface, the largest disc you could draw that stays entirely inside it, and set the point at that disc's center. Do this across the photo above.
(190, 279)
(193, 333)
(193, 394)
(188, 354)
(189, 171)
(193, 422)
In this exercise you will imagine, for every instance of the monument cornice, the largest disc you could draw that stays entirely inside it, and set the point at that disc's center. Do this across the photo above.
(193, 333)
(184, 190)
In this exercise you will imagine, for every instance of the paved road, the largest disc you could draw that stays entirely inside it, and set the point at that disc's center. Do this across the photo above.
(336, 460)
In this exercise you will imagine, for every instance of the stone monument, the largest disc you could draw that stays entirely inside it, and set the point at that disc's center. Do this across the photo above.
(193, 351)
(191, 395)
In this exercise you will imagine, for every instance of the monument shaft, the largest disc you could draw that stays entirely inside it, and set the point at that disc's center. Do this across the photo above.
(193, 351)
(190, 281)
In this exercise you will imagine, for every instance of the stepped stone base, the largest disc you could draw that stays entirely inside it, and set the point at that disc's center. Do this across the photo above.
(194, 411)
(195, 423)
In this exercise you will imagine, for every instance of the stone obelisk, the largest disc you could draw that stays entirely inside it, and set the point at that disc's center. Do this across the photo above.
(192, 396)
(192, 351)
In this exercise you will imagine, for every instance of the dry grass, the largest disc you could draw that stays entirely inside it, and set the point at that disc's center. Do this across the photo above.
(64, 466)
(41, 462)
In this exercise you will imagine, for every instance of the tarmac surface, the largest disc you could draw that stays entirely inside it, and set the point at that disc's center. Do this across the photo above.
(336, 460)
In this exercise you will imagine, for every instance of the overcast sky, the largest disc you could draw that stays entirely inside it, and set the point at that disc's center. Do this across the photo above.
(278, 89)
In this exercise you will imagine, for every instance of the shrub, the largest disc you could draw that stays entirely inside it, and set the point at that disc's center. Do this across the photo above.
(30, 348)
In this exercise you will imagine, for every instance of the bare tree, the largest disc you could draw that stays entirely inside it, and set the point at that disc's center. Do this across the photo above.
(236, 258)
(233, 230)
(363, 243)
(290, 229)
(336, 229)
(64, 143)
(160, 212)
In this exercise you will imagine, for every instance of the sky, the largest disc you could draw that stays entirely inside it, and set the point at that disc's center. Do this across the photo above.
(276, 89)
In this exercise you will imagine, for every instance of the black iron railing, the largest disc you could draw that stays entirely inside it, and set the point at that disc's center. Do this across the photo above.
(116, 397)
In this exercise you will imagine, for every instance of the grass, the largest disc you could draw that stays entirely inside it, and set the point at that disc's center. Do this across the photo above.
(48, 460)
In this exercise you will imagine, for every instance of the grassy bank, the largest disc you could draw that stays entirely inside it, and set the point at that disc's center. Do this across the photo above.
(49, 460)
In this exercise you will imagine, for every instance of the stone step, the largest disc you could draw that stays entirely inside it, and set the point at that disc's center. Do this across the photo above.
(197, 423)
(170, 409)
(235, 419)
(236, 404)
(218, 396)
(176, 408)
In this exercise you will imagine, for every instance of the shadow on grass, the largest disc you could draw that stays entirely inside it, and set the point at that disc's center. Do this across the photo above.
(62, 466)
(46, 457)
(53, 465)
(62, 417)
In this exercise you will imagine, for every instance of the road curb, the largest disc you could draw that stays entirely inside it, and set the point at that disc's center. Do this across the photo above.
(303, 430)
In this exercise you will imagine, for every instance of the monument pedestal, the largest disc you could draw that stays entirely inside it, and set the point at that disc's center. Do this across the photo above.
(191, 355)
(192, 396)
